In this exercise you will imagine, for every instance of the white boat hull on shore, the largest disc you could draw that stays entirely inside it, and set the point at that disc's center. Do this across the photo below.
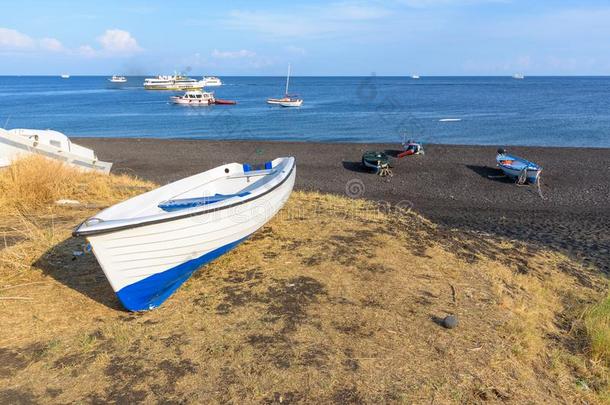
(18, 143)
(147, 257)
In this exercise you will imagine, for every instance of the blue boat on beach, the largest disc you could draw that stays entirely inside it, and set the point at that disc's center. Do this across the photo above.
(518, 168)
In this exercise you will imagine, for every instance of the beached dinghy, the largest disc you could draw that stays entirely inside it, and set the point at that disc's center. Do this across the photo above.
(379, 162)
(150, 244)
(17, 143)
(518, 168)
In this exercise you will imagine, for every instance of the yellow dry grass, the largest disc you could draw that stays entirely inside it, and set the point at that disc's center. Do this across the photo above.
(335, 300)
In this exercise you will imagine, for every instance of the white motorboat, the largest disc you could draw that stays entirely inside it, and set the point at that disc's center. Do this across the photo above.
(415, 77)
(17, 143)
(172, 82)
(149, 245)
(518, 76)
(211, 81)
(290, 101)
(118, 79)
(64, 76)
(194, 98)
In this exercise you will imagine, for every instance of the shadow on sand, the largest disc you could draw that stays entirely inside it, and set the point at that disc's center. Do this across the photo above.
(80, 273)
(357, 167)
(490, 173)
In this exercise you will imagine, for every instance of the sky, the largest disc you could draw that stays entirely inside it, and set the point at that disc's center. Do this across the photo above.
(394, 37)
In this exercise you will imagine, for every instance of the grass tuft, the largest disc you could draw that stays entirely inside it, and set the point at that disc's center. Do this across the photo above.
(597, 326)
(35, 182)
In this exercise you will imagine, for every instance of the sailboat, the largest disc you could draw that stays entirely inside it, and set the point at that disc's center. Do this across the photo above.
(287, 100)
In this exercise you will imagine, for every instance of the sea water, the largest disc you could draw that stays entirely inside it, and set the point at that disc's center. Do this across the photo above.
(544, 111)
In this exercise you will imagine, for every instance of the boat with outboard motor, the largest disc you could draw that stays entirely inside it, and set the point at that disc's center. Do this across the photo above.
(149, 245)
(22, 142)
(518, 168)
(194, 98)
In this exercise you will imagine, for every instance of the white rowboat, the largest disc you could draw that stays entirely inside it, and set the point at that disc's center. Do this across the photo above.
(150, 244)
(17, 143)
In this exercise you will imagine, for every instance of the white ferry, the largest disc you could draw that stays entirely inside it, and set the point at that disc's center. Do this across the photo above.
(211, 81)
(172, 82)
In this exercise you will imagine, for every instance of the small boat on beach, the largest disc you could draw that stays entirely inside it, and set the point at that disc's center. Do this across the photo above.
(211, 81)
(287, 100)
(411, 147)
(17, 143)
(378, 162)
(194, 98)
(518, 168)
(118, 79)
(149, 245)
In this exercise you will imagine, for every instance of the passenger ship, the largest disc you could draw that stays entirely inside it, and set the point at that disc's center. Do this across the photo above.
(173, 82)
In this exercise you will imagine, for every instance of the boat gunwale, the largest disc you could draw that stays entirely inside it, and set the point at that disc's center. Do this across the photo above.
(77, 233)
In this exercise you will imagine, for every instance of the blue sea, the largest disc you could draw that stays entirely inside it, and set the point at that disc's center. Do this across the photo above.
(543, 111)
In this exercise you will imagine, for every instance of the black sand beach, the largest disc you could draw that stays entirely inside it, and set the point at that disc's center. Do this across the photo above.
(450, 185)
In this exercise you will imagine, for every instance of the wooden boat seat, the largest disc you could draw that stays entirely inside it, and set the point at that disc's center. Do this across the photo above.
(184, 203)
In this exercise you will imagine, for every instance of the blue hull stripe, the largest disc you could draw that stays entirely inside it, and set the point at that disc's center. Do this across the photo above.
(152, 291)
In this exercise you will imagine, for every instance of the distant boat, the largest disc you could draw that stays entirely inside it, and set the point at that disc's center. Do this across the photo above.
(118, 79)
(287, 100)
(518, 76)
(518, 168)
(149, 245)
(211, 81)
(415, 77)
(449, 120)
(17, 143)
(64, 76)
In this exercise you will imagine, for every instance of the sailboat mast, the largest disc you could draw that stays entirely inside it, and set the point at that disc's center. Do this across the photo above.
(287, 79)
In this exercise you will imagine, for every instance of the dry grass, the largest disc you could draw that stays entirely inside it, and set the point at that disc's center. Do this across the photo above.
(35, 182)
(597, 325)
(332, 301)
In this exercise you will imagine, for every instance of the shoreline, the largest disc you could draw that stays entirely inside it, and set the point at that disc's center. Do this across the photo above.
(84, 138)
(450, 184)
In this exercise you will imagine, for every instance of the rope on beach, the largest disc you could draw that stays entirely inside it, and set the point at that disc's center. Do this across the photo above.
(539, 184)
(385, 170)
(522, 178)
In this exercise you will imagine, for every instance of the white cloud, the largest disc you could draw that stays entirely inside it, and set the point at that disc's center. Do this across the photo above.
(243, 53)
(51, 44)
(86, 51)
(341, 18)
(118, 41)
(295, 50)
(14, 40)
(356, 11)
